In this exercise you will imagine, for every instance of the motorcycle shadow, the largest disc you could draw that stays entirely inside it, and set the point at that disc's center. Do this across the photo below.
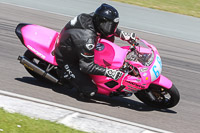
(119, 102)
(33, 81)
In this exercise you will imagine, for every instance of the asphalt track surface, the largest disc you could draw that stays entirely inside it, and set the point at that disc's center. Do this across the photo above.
(181, 63)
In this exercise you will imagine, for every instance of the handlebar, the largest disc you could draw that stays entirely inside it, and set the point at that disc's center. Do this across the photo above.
(135, 43)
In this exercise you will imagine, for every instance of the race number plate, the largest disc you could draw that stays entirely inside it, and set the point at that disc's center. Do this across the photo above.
(156, 68)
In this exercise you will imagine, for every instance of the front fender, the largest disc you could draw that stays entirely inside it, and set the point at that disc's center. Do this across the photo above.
(163, 81)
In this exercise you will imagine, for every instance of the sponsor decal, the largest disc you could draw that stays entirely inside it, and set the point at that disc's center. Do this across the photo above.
(125, 35)
(36, 52)
(89, 46)
(110, 72)
(139, 86)
(87, 55)
(68, 74)
(99, 47)
(73, 21)
(145, 74)
(28, 67)
(138, 80)
(144, 69)
(116, 20)
(131, 89)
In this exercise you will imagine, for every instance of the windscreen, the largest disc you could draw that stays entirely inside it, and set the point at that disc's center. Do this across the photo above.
(142, 53)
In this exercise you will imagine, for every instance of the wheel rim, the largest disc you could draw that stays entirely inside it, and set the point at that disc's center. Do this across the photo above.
(162, 95)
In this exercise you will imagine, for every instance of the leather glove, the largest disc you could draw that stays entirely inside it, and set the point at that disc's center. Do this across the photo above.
(114, 74)
(131, 38)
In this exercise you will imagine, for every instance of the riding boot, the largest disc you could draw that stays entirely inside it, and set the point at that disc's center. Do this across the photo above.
(81, 96)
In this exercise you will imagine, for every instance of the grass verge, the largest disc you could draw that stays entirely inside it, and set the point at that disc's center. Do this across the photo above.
(186, 7)
(17, 123)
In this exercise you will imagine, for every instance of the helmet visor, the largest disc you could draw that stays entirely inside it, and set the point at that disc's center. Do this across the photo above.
(108, 28)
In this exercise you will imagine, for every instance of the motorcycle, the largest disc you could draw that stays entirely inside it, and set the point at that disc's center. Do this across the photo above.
(141, 66)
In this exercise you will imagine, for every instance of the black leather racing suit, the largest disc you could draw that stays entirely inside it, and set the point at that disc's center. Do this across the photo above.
(76, 48)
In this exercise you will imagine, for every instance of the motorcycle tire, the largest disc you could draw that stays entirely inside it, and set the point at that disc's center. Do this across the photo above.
(164, 98)
(40, 63)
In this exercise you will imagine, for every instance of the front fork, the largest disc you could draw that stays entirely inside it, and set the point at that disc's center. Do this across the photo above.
(161, 81)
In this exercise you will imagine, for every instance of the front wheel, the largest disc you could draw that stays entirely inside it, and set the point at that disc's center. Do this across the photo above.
(164, 98)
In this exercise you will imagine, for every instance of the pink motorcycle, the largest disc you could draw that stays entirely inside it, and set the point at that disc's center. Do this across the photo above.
(141, 65)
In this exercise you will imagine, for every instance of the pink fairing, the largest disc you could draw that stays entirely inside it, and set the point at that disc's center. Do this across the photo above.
(109, 55)
(41, 41)
(143, 50)
(163, 81)
(112, 56)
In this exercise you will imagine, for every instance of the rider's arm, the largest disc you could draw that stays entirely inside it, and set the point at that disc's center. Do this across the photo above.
(86, 59)
(87, 65)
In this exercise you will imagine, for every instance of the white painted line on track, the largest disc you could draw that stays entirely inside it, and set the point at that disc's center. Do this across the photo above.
(154, 33)
(38, 9)
(183, 69)
(73, 117)
(121, 26)
(193, 71)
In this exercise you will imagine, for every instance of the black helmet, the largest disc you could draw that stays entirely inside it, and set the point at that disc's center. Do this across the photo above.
(106, 19)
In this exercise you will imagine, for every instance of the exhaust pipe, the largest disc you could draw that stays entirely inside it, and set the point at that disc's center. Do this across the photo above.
(36, 69)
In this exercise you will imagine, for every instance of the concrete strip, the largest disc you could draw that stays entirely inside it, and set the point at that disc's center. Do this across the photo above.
(69, 116)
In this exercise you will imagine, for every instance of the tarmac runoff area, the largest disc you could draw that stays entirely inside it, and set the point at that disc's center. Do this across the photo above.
(69, 116)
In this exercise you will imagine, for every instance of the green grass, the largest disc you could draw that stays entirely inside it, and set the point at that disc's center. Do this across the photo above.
(186, 7)
(17, 123)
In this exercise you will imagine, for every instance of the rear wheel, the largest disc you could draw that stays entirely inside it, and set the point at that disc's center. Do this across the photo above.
(40, 63)
(164, 98)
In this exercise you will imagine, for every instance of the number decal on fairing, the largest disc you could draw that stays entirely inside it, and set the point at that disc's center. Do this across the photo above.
(156, 72)
(156, 69)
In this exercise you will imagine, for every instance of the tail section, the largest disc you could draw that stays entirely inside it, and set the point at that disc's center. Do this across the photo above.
(39, 40)
(18, 31)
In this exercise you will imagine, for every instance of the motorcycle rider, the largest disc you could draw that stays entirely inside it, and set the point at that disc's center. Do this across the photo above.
(74, 51)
